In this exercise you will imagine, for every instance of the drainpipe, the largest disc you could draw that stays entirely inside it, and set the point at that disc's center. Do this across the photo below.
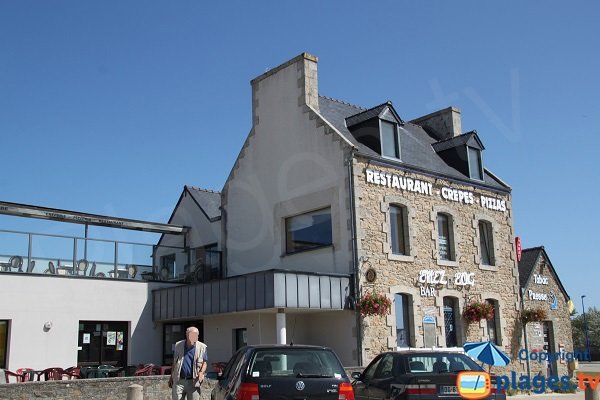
(525, 332)
(350, 164)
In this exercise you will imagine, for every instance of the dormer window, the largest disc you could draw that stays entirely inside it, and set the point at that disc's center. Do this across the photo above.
(378, 130)
(475, 165)
(390, 143)
(463, 153)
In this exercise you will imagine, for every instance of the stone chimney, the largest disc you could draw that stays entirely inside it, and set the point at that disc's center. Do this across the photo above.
(442, 124)
(294, 78)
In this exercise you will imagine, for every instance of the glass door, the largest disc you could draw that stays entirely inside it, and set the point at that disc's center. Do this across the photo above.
(102, 343)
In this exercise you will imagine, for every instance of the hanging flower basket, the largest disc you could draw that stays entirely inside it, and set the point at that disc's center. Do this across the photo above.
(477, 311)
(374, 304)
(533, 315)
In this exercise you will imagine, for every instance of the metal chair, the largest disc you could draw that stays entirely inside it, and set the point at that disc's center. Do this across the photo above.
(93, 272)
(82, 266)
(132, 271)
(51, 268)
(30, 267)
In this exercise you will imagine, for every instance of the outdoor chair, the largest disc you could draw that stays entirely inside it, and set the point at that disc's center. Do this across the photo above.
(82, 266)
(15, 262)
(30, 267)
(27, 374)
(5, 376)
(52, 374)
(93, 272)
(73, 372)
(132, 271)
(51, 269)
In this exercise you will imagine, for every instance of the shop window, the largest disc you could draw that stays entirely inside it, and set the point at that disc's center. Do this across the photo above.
(240, 338)
(402, 302)
(492, 324)
(450, 312)
(390, 142)
(399, 230)
(445, 237)
(3, 342)
(475, 165)
(308, 231)
(486, 243)
(173, 333)
(102, 343)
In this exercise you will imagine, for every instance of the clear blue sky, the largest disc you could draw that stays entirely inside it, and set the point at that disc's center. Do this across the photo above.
(111, 107)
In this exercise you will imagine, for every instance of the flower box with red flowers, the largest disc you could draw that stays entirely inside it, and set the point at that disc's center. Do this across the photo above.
(477, 311)
(374, 304)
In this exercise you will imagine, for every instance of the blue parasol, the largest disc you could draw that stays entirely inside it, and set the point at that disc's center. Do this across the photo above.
(487, 353)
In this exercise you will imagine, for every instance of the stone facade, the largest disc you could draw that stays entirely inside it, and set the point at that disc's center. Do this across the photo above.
(400, 273)
(541, 293)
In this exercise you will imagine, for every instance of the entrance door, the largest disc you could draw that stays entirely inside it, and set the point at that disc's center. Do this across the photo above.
(549, 346)
(450, 321)
(102, 343)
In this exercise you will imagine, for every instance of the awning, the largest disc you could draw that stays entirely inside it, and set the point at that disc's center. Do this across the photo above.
(256, 291)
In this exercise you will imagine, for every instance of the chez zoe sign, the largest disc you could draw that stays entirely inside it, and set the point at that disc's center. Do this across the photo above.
(405, 184)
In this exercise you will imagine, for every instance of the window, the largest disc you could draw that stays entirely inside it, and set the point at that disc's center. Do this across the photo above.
(475, 167)
(445, 237)
(308, 231)
(3, 343)
(385, 368)
(486, 243)
(369, 373)
(167, 264)
(389, 140)
(450, 321)
(239, 338)
(492, 324)
(402, 302)
(399, 230)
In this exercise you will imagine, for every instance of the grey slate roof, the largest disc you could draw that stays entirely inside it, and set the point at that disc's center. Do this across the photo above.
(456, 141)
(416, 144)
(528, 259)
(207, 200)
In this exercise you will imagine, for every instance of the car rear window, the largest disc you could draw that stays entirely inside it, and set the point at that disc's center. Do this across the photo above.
(436, 362)
(294, 362)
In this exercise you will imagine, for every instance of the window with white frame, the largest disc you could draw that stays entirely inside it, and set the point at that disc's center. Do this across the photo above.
(402, 303)
(492, 324)
(390, 142)
(475, 165)
(445, 237)
(486, 242)
(307, 231)
(399, 230)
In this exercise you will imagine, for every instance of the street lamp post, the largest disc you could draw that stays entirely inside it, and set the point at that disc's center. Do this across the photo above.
(585, 327)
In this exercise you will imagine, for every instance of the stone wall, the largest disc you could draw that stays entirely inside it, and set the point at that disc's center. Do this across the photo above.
(154, 388)
(399, 273)
(561, 322)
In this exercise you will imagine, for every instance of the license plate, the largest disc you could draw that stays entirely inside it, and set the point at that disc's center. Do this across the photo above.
(448, 390)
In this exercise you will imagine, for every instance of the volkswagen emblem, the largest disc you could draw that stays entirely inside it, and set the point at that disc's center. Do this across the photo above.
(299, 385)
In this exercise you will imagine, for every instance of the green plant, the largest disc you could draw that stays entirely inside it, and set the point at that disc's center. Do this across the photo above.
(477, 311)
(533, 315)
(374, 304)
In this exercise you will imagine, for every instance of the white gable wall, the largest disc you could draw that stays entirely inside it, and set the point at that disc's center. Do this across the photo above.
(288, 166)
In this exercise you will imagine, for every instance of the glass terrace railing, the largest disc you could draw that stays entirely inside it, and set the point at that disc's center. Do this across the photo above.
(24, 252)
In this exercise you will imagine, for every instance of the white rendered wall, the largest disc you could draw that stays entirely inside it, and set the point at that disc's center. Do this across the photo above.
(28, 301)
(289, 167)
(333, 329)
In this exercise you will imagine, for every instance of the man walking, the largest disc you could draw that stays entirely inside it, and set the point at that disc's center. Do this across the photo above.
(189, 366)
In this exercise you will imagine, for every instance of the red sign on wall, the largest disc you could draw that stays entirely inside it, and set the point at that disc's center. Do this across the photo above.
(518, 246)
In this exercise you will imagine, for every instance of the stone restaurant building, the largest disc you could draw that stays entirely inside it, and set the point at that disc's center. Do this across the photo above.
(543, 290)
(338, 201)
